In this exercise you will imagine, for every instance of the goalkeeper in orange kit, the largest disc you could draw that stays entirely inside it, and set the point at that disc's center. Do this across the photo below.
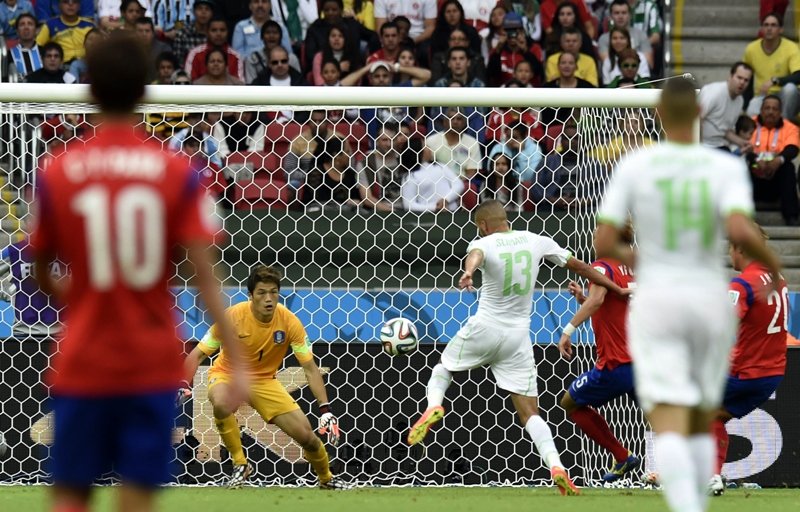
(266, 330)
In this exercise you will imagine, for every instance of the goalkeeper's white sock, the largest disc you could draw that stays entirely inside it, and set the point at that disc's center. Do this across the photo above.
(543, 439)
(704, 454)
(677, 472)
(437, 385)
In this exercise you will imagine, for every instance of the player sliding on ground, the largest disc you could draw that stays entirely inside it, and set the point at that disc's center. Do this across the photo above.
(682, 198)
(266, 329)
(499, 333)
(758, 360)
(612, 375)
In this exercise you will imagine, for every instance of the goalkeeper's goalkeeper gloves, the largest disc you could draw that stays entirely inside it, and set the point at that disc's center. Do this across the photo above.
(184, 393)
(328, 424)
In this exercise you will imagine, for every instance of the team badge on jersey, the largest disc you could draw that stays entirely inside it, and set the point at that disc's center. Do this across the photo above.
(279, 337)
(734, 296)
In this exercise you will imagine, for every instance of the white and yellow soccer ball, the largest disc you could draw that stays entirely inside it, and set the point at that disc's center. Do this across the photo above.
(399, 337)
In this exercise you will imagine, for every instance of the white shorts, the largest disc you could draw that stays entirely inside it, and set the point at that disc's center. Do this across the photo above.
(680, 345)
(507, 351)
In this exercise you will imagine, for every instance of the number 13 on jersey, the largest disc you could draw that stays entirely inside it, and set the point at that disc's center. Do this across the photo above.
(518, 277)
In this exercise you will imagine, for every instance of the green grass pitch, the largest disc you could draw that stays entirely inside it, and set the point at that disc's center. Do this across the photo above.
(34, 499)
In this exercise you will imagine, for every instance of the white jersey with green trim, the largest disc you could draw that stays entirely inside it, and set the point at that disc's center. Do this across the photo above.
(509, 270)
(679, 196)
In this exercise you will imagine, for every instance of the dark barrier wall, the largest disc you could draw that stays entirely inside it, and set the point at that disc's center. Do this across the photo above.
(376, 397)
(369, 250)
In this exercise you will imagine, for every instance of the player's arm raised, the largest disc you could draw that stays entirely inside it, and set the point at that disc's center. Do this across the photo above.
(583, 269)
(597, 295)
(473, 261)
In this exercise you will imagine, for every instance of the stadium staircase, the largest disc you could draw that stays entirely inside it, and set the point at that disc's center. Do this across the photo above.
(706, 38)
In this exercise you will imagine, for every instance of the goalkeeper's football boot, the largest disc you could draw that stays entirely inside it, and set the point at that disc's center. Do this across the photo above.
(240, 475)
(622, 468)
(336, 484)
(562, 480)
(420, 429)
(716, 486)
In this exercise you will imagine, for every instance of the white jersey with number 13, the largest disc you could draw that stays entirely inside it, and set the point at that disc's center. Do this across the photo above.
(510, 267)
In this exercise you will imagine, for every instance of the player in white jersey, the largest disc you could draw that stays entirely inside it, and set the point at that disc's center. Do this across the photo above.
(683, 198)
(498, 335)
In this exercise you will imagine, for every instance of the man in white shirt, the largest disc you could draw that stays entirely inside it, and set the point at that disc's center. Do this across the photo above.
(421, 14)
(498, 335)
(683, 198)
(453, 147)
(430, 188)
(721, 104)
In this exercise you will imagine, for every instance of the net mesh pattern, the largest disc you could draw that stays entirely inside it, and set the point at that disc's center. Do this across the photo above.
(367, 213)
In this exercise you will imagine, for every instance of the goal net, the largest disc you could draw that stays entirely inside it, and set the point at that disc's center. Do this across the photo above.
(362, 198)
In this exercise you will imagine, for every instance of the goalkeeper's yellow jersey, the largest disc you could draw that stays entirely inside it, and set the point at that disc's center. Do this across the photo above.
(263, 345)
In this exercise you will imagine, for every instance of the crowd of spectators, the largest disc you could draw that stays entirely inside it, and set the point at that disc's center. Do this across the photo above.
(753, 114)
(373, 158)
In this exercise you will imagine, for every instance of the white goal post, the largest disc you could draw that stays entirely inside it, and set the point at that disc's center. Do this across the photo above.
(350, 265)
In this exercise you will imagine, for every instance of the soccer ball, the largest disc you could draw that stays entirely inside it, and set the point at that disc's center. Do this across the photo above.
(398, 337)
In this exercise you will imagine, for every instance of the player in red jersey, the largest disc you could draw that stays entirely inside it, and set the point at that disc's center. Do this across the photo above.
(758, 361)
(114, 208)
(612, 375)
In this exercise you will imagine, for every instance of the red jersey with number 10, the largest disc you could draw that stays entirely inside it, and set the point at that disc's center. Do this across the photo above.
(760, 349)
(608, 322)
(114, 208)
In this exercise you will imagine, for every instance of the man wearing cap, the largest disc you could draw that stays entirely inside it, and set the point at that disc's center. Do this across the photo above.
(381, 74)
(195, 33)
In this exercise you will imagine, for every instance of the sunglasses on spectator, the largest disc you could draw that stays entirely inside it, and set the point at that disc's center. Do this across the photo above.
(629, 65)
(70, 1)
(282, 61)
(182, 82)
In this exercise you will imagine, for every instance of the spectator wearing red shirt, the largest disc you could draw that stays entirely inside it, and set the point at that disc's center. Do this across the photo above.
(217, 38)
(390, 44)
